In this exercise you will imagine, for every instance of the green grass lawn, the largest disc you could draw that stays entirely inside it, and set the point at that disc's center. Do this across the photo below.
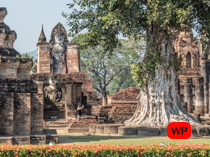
(126, 140)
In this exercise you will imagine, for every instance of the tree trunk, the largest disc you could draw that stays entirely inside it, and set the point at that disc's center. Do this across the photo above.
(104, 97)
(159, 102)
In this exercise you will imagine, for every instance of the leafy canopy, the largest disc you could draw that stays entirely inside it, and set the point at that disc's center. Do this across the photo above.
(105, 20)
(106, 71)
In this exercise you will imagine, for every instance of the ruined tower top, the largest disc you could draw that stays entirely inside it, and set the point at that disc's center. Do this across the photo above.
(3, 13)
(7, 37)
(3, 26)
(42, 37)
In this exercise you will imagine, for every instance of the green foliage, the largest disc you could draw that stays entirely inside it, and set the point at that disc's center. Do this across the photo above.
(122, 81)
(26, 56)
(146, 69)
(106, 71)
(105, 20)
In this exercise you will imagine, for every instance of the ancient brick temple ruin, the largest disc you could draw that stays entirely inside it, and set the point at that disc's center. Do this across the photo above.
(34, 107)
(17, 92)
(193, 83)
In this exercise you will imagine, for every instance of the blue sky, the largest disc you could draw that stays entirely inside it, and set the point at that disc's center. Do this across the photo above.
(27, 16)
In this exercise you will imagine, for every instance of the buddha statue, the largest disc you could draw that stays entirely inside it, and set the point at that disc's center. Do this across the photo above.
(52, 93)
(58, 47)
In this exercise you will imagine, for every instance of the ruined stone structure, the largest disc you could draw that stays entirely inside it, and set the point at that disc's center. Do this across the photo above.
(32, 104)
(51, 54)
(194, 77)
(62, 60)
(21, 105)
(121, 106)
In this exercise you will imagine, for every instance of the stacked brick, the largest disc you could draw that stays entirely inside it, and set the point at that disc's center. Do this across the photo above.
(104, 113)
(124, 96)
(119, 113)
(87, 86)
(121, 106)
(82, 125)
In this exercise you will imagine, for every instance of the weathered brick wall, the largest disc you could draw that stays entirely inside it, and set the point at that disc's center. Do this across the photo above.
(13, 67)
(105, 110)
(123, 104)
(122, 112)
(21, 140)
(124, 96)
(22, 113)
(6, 140)
(43, 58)
(73, 58)
(37, 115)
(87, 85)
(91, 96)
(6, 113)
(95, 107)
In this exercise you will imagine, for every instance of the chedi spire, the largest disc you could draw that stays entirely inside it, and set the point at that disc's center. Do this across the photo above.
(42, 37)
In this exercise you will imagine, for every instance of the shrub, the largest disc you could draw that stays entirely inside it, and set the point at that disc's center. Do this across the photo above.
(104, 150)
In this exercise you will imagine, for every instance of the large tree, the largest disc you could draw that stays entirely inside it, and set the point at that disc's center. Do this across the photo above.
(105, 70)
(105, 20)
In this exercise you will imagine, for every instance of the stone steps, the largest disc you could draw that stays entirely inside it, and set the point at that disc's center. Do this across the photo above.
(60, 126)
(78, 130)
(62, 131)
(82, 124)
(55, 127)
(56, 124)
(104, 128)
(79, 124)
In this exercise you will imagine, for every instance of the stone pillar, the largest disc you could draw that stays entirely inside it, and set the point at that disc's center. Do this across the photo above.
(6, 114)
(37, 113)
(37, 108)
(199, 97)
(70, 109)
(10, 112)
(79, 93)
(22, 114)
(188, 97)
(205, 75)
(74, 94)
